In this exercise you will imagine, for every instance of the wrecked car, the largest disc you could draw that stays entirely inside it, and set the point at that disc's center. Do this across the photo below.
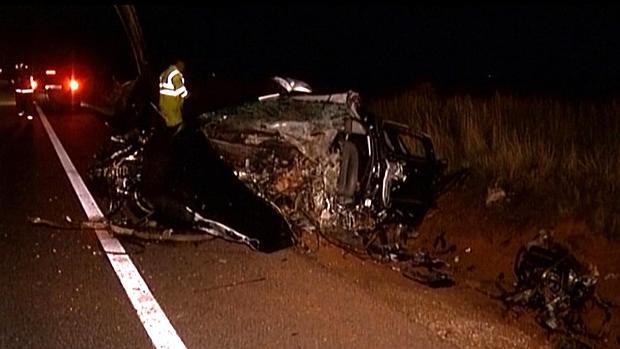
(265, 172)
(329, 166)
(315, 161)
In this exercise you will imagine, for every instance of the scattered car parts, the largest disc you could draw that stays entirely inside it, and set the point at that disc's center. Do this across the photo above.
(554, 284)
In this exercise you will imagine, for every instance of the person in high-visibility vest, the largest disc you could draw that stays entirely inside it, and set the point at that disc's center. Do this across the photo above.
(172, 93)
(161, 154)
(24, 90)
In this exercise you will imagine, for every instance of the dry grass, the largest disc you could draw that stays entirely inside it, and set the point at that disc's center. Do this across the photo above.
(560, 150)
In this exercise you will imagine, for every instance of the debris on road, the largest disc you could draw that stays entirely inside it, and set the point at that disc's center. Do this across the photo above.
(236, 284)
(119, 231)
(420, 265)
(430, 278)
(426, 270)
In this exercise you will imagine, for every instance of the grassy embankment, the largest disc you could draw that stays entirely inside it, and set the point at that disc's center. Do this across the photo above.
(561, 155)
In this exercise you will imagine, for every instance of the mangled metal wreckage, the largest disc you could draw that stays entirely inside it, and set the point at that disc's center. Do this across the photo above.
(272, 169)
(329, 168)
(301, 163)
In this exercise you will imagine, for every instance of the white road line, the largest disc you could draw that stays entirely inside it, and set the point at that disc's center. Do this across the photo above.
(155, 322)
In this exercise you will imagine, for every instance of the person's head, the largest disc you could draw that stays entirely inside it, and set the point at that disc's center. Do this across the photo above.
(180, 64)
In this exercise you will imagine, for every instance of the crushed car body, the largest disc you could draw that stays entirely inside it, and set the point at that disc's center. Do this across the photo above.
(328, 166)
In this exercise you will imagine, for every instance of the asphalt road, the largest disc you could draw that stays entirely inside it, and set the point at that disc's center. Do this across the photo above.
(58, 289)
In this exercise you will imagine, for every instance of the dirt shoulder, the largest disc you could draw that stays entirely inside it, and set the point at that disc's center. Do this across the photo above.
(486, 240)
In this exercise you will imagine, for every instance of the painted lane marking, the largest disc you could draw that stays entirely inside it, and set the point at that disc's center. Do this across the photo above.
(153, 318)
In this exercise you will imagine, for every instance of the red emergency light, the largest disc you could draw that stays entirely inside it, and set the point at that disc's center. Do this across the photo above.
(73, 85)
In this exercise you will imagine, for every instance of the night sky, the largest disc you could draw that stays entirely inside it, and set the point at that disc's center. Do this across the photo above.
(361, 46)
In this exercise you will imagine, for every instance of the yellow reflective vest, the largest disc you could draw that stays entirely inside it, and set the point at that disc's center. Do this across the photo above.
(172, 93)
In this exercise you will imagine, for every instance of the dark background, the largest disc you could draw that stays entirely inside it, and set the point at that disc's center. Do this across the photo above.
(558, 49)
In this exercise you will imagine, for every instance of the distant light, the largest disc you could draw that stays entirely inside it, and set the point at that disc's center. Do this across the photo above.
(74, 85)
(29, 117)
(50, 72)
(33, 83)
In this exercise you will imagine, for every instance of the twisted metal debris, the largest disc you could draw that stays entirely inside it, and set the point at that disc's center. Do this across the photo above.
(557, 287)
